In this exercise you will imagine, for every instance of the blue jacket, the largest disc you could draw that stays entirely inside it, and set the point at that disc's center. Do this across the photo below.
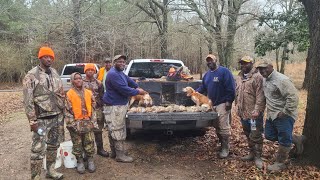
(119, 87)
(219, 85)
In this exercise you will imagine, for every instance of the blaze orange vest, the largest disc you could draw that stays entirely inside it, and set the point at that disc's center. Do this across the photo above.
(101, 73)
(76, 103)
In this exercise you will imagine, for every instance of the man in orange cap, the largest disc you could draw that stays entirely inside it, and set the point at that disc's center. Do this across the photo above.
(96, 87)
(44, 104)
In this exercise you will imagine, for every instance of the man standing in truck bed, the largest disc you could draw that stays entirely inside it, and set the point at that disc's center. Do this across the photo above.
(119, 87)
(219, 84)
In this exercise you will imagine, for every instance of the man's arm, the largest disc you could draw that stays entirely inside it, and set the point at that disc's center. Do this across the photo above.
(289, 92)
(118, 83)
(229, 85)
(260, 104)
(131, 82)
(28, 87)
(202, 88)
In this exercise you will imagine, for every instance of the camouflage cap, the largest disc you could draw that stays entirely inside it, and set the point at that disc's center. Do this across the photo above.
(246, 59)
(118, 57)
(264, 64)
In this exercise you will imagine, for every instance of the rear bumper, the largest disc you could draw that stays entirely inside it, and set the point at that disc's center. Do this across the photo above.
(172, 121)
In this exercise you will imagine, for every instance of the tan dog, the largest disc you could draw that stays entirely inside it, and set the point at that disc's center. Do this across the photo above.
(143, 100)
(198, 98)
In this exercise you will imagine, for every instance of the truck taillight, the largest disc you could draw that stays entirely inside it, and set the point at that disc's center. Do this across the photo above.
(156, 60)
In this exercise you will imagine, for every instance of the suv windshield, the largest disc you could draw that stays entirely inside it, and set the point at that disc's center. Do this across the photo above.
(150, 69)
(71, 69)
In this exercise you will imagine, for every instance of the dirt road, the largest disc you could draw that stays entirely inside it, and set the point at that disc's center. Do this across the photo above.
(157, 156)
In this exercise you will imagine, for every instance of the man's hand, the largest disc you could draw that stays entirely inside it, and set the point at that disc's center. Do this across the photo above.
(34, 127)
(281, 115)
(228, 106)
(141, 91)
(255, 114)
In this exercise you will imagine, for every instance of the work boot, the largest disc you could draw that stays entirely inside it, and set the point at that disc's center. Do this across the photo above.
(120, 153)
(282, 156)
(51, 172)
(298, 142)
(112, 146)
(91, 166)
(224, 147)
(257, 155)
(35, 166)
(80, 166)
(99, 143)
(51, 159)
(250, 156)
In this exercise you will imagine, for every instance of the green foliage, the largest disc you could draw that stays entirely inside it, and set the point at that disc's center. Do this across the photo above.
(283, 28)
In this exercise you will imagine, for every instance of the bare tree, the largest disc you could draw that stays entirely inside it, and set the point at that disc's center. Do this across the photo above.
(219, 18)
(158, 12)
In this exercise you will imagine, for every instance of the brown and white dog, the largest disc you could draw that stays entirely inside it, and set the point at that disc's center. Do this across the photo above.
(197, 98)
(143, 100)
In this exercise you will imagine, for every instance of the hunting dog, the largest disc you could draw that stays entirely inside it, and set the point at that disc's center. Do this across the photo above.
(197, 98)
(143, 100)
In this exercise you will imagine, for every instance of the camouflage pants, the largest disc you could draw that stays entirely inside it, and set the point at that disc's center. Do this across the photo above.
(115, 120)
(48, 144)
(100, 119)
(82, 143)
(222, 126)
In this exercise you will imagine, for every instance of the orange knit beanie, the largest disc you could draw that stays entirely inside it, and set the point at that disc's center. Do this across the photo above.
(89, 66)
(45, 51)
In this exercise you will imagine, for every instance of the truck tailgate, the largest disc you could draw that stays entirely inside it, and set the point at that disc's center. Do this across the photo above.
(174, 116)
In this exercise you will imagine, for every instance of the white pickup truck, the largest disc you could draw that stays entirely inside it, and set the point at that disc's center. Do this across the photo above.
(68, 69)
(165, 93)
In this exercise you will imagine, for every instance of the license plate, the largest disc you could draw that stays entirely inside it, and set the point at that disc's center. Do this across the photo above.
(168, 122)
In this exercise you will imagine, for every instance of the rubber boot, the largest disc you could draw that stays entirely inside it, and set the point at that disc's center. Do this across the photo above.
(298, 142)
(112, 146)
(282, 156)
(51, 159)
(250, 156)
(80, 165)
(120, 152)
(257, 155)
(35, 166)
(99, 143)
(224, 147)
(91, 166)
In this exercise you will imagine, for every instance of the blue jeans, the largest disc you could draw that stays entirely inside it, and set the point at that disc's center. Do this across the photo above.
(280, 130)
(255, 136)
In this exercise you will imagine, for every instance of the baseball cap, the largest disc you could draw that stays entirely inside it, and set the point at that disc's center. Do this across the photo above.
(264, 64)
(246, 59)
(118, 57)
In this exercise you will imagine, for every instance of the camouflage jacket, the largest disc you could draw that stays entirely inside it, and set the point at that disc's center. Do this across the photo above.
(97, 89)
(249, 94)
(43, 94)
(69, 115)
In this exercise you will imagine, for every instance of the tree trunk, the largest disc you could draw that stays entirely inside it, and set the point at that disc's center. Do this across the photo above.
(200, 59)
(312, 121)
(164, 34)
(283, 59)
(307, 75)
(277, 59)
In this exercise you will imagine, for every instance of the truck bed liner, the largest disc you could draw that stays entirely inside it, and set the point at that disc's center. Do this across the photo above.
(174, 116)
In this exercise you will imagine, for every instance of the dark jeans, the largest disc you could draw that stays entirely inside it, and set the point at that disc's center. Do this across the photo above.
(256, 135)
(280, 130)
